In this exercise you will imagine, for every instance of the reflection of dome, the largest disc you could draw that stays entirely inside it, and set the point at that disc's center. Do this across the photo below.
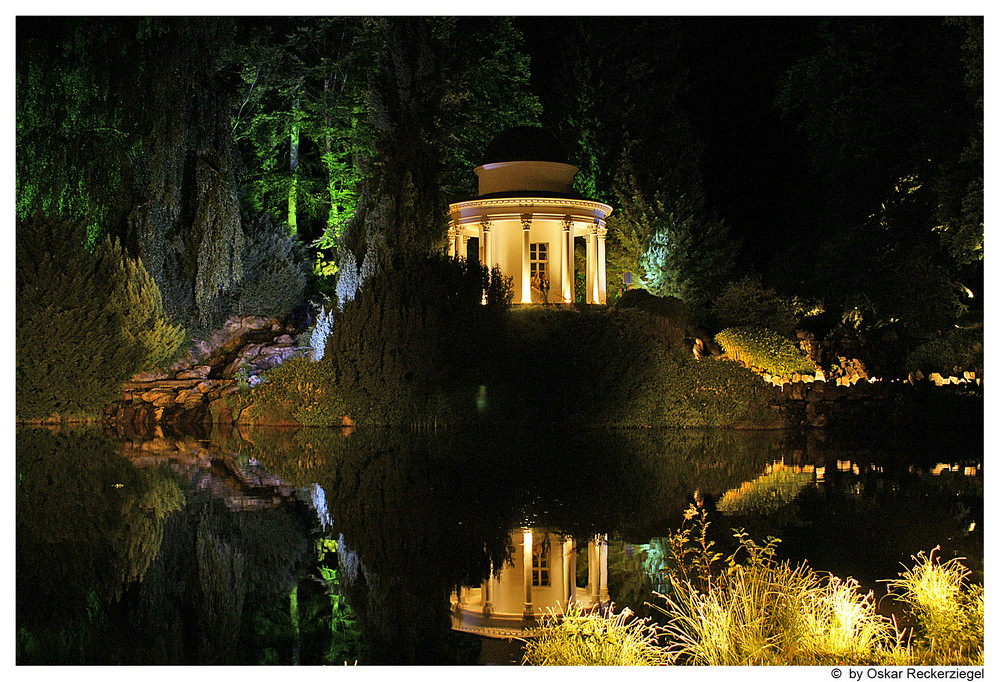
(525, 143)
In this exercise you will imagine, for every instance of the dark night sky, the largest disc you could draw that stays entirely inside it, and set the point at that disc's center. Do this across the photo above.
(752, 169)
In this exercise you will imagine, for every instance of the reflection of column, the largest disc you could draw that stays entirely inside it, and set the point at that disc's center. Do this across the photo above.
(568, 571)
(451, 241)
(602, 268)
(567, 260)
(528, 610)
(593, 571)
(603, 594)
(525, 261)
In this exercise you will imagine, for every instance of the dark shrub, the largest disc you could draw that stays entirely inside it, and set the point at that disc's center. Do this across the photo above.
(416, 342)
(748, 304)
(275, 270)
(953, 352)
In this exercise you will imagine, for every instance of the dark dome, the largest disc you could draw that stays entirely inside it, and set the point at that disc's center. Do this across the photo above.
(525, 143)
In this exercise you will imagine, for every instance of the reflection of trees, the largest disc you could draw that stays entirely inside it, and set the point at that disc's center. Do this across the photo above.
(217, 569)
(113, 566)
(766, 494)
(867, 525)
(87, 520)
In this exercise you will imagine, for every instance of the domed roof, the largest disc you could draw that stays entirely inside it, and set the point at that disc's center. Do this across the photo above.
(525, 143)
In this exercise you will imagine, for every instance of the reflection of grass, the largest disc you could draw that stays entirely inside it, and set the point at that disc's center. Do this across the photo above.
(766, 494)
(578, 638)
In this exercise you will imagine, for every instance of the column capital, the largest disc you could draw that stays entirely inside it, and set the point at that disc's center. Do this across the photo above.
(602, 232)
(567, 223)
(485, 224)
(526, 221)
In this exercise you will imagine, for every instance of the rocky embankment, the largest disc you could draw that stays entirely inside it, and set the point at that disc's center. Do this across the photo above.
(193, 390)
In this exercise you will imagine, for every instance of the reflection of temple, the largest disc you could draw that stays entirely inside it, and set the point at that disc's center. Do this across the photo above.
(541, 580)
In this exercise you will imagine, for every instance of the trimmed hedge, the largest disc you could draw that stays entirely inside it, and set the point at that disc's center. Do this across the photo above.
(765, 350)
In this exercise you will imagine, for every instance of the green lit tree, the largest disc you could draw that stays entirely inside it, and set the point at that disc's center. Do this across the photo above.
(301, 125)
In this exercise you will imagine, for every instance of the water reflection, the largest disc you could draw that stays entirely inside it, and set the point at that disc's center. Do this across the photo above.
(190, 544)
(152, 564)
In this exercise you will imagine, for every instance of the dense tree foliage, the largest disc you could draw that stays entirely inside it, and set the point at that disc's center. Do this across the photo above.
(300, 126)
(141, 108)
(891, 113)
(618, 101)
(171, 132)
(438, 91)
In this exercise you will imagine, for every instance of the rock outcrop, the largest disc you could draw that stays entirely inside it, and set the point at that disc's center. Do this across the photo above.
(192, 390)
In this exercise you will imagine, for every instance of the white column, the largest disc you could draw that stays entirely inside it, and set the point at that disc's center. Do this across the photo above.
(462, 241)
(591, 266)
(602, 266)
(486, 237)
(567, 260)
(525, 258)
(451, 241)
(529, 611)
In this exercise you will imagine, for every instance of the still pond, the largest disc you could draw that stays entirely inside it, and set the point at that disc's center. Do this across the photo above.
(325, 546)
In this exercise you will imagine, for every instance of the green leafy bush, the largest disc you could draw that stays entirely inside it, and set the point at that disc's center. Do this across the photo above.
(712, 393)
(619, 368)
(954, 351)
(297, 390)
(87, 320)
(748, 304)
(137, 299)
(765, 350)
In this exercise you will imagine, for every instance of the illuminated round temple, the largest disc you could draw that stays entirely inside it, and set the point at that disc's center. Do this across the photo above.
(527, 219)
